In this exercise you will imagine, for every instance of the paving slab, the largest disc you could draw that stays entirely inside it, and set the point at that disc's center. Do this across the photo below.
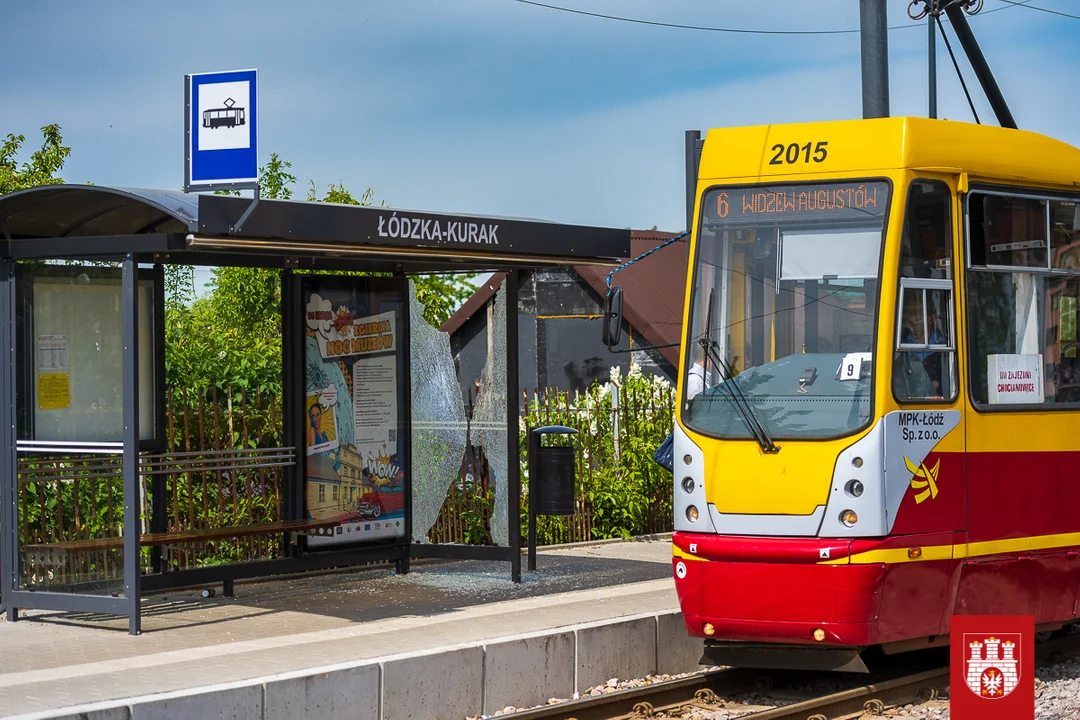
(319, 624)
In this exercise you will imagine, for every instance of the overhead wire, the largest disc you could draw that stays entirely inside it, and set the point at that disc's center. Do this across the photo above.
(959, 74)
(1040, 9)
(744, 31)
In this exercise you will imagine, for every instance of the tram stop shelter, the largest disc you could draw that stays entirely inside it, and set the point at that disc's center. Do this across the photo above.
(96, 504)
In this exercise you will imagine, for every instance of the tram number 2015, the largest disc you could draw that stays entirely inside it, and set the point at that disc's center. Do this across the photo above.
(910, 435)
(793, 153)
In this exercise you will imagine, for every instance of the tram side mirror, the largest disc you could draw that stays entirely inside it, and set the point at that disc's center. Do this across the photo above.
(612, 331)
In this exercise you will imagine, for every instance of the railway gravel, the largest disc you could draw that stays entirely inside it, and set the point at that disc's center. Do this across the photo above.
(1056, 690)
(1057, 697)
(608, 687)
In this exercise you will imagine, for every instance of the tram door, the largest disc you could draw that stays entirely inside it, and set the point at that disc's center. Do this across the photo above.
(926, 380)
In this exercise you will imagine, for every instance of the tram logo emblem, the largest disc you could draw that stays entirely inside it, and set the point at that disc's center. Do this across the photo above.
(992, 664)
(923, 479)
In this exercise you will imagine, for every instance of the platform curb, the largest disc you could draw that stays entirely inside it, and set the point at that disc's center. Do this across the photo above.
(458, 679)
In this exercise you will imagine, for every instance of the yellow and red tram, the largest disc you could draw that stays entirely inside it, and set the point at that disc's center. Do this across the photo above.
(878, 421)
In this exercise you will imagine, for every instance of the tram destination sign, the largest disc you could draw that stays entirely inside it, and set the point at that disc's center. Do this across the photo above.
(771, 203)
(221, 132)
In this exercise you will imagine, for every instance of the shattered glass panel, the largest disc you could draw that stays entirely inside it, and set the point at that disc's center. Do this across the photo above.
(439, 429)
(488, 428)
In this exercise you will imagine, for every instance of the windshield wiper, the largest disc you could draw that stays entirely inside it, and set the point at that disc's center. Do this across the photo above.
(741, 403)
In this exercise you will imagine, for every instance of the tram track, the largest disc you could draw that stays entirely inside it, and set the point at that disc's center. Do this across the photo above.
(709, 691)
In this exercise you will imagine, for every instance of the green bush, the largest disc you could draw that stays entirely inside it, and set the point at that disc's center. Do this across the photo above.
(621, 491)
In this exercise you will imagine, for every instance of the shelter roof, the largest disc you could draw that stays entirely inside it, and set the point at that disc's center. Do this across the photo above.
(94, 221)
(54, 211)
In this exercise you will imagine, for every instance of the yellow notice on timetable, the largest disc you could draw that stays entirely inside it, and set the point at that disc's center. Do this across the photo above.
(54, 391)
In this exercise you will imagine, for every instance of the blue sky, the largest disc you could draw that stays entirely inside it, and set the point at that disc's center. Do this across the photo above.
(491, 106)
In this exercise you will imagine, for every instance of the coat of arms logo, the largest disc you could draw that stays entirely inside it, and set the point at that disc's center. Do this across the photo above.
(992, 664)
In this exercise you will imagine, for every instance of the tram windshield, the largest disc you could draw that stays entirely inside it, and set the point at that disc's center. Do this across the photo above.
(784, 295)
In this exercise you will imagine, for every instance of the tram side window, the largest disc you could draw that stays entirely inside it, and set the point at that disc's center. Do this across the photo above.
(926, 247)
(924, 365)
(1065, 235)
(1007, 231)
(1022, 318)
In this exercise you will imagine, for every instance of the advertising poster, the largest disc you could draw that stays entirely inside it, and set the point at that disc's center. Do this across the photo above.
(354, 471)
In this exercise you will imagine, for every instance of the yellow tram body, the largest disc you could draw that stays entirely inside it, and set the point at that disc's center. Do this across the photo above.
(984, 463)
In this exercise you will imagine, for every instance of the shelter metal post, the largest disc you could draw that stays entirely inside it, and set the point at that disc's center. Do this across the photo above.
(292, 380)
(401, 564)
(129, 310)
(159, 483)
(533, 445)
(9, 510)
(512, 441)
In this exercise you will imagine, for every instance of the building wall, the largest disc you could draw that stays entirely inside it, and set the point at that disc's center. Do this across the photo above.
(559, 335)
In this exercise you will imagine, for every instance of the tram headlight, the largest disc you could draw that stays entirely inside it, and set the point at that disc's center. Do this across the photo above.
(849, 518)
(857, 462)
(691, 513)
(688, 485)
(687, 459)
(854, 488)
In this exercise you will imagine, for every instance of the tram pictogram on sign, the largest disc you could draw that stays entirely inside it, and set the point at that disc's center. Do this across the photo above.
(227, 116)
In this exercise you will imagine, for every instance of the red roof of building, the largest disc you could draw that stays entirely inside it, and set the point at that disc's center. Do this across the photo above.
(478, 300)
(653, 291)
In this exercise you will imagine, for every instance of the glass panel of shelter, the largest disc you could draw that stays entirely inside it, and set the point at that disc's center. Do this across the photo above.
(487, 430)
(69, 485)
(439, 424)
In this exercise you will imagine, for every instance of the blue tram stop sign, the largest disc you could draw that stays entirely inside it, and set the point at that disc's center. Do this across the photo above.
(221, 125)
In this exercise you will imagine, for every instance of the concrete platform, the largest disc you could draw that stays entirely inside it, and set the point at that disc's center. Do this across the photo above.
(448, 640)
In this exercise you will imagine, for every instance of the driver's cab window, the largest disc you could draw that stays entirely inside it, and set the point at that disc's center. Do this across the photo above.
(924, 364)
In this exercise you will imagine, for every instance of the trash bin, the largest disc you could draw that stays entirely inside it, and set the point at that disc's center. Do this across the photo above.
(551, 472)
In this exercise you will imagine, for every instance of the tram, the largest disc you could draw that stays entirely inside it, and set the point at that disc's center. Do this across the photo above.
(879, 403)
